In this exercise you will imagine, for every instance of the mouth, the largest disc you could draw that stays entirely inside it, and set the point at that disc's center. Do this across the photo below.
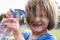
(36, 24)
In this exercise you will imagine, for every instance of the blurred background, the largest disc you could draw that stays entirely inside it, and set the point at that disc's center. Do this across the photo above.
(5, 5)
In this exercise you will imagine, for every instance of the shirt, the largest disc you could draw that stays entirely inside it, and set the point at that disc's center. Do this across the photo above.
(46, 36)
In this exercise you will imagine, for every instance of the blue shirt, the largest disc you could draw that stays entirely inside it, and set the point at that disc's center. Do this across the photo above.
(46, 36)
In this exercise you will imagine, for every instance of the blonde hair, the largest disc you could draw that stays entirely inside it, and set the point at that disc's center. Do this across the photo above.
(50, 10)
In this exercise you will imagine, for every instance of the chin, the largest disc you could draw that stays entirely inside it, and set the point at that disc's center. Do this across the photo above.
(37, 30)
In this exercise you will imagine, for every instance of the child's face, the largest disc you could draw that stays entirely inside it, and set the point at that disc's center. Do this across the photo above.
(40, 21)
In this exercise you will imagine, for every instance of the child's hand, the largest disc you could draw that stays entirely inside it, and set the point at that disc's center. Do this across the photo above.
(14, 25)
(14, 21)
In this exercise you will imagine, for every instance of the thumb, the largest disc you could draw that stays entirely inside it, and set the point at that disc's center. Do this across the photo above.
(17, 15)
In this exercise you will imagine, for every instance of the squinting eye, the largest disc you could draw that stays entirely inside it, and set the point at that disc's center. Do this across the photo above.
(34, 15)
(43, 16)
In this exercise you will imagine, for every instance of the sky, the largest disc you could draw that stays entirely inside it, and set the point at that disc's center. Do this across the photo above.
(5, 5)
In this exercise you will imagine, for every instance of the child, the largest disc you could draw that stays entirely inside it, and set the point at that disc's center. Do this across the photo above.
(40, 17)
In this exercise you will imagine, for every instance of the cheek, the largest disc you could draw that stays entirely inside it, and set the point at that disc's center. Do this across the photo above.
(45, 22)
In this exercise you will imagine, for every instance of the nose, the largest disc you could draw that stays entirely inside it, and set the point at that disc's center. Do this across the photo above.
(37, 19)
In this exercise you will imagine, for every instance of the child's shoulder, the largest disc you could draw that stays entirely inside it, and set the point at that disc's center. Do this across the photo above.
(48, 36)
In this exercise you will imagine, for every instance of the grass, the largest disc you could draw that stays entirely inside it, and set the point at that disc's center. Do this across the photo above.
(56, 33)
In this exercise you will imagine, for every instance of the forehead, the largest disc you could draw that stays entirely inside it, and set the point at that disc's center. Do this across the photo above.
(40, 9)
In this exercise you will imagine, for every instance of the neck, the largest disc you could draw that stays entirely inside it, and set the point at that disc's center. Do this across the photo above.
(35, 34)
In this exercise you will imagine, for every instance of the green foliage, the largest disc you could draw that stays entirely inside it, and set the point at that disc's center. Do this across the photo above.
(59, 18)
(0, 18)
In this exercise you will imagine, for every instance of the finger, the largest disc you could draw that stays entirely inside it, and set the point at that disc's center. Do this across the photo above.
(6, 25)
(10, 12)
(13, 26)
(4, 15)
(12, 20)
(17, 15)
